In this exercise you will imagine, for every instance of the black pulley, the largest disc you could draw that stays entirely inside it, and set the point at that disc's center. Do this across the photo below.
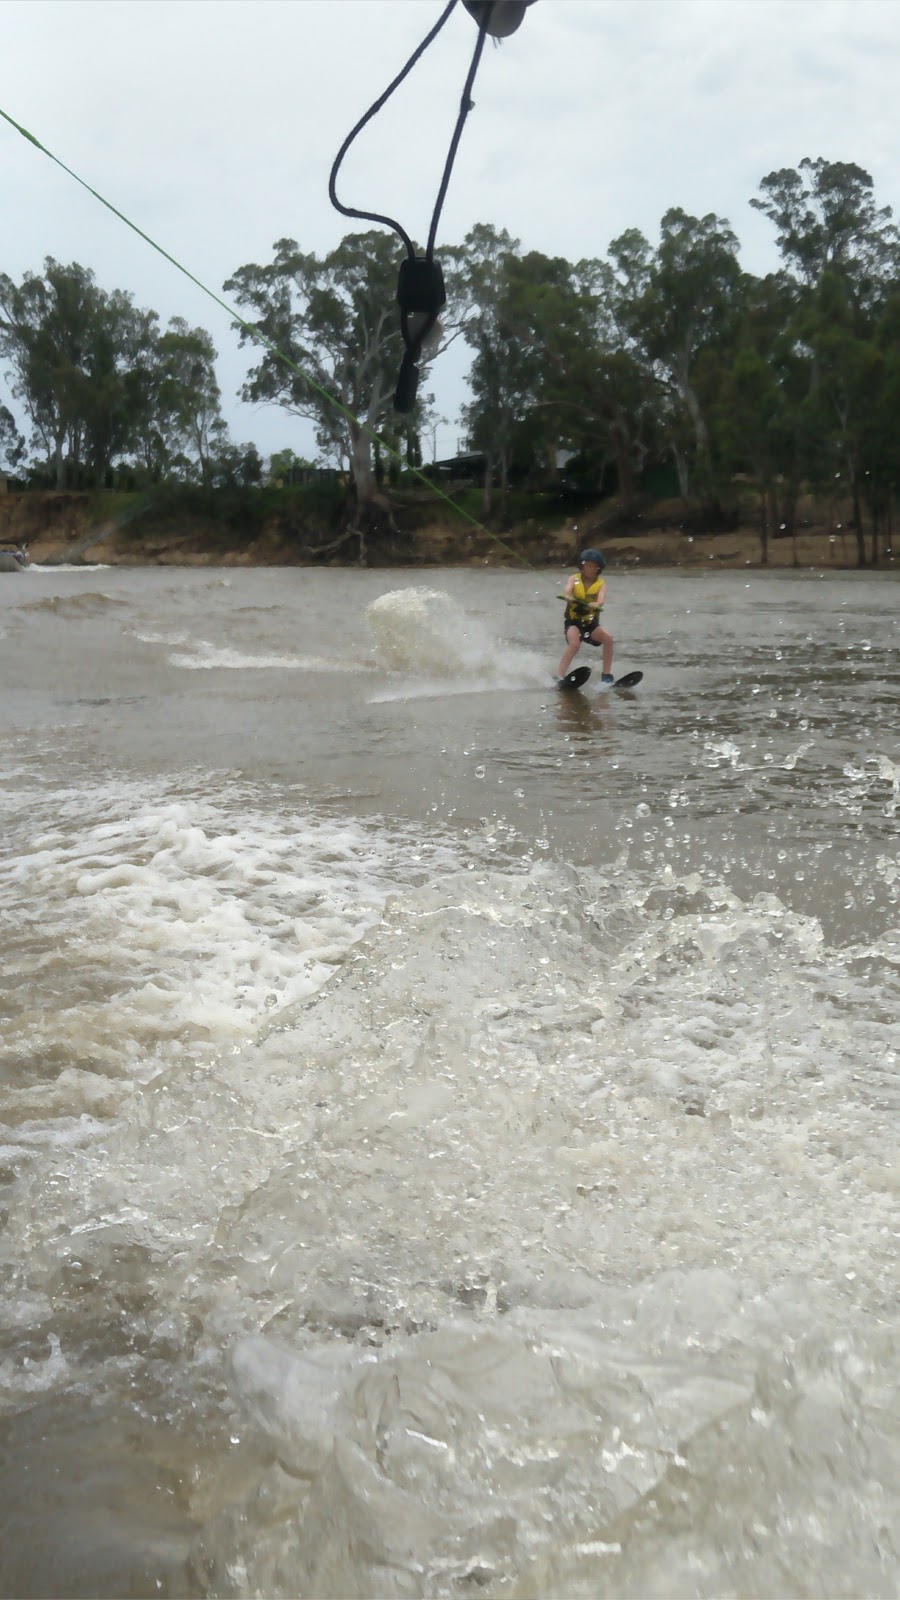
(499, 18)
(420, 286)
(420, 290)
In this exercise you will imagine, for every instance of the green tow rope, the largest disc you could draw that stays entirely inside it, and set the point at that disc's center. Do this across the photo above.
(261, 339)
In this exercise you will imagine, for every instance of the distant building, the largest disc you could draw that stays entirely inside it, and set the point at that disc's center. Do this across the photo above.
(310, 475)
(467, 464)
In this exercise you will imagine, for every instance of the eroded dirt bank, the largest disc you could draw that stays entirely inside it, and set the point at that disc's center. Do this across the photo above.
(76, 526)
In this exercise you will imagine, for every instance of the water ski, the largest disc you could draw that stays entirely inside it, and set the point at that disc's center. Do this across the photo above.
(629, 681)
(574, 680)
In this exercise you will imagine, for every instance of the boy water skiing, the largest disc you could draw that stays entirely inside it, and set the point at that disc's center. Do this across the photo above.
(584, 595)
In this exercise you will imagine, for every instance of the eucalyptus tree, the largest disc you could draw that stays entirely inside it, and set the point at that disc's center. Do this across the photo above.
(235, 466)
(333, 335)
(113, 391)
(854, 396)
(549, 367)
(45, 327)
(842, 253)
(752, 397)
(184, 431)
(77, 358)
(498, 287)
(672, 305)
(607, 401)
(826, 220)
(882, 444)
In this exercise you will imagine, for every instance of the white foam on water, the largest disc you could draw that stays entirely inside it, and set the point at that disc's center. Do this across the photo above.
(203, 656)
(145, 636)
(548, 1245)
(440, 689)
(573, 1452)
(199, 655)
(564, 1289)
(547, 1292)
(147, 931)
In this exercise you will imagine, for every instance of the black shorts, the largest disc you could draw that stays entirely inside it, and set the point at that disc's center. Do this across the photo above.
(585, 628)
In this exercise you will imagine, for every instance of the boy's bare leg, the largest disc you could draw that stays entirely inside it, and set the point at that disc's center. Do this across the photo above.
(573, 637)
(600, 636)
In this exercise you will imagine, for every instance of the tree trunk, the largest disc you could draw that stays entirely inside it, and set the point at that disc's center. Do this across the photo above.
(858, 526)
(372, 519)
(701, 432)
(362, 477)
(624, 463)
(772, 507)
(681, 467)
(504, 487)
(60, 461)
(74, 457)
(486, 498)
(763, 531)
(789, 513)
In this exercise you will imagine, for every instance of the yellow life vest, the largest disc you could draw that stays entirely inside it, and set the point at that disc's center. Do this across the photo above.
(587, 601)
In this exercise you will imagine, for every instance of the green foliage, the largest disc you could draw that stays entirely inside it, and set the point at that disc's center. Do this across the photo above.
(12, 445)
(674, 306)
(76, 355)
(183, 433)
(103, 389)
(673, 354)
(826, 220)
(236, 466)
(336, 320)
(282, 464)
(239, 509)
(660, 358)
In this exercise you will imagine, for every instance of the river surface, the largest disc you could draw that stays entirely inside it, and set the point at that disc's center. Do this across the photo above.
(449, 1127)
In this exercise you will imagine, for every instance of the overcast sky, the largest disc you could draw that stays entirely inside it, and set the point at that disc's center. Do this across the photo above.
(213, 125)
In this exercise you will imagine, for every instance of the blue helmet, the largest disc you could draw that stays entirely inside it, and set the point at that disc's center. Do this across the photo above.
(596, 556)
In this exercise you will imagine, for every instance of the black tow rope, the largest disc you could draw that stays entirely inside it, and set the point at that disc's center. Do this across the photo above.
(420, 288)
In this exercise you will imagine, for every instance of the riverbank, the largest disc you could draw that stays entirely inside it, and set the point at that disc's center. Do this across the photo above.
(276, 528)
